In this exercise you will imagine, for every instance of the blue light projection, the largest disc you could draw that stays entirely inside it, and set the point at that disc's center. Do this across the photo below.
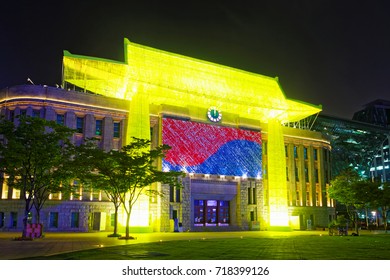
(210, 149)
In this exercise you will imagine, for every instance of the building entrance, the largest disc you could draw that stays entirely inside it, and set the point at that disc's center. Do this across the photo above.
(211, 213)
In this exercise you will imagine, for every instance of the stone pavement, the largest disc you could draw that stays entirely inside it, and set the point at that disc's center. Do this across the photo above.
(56, 243)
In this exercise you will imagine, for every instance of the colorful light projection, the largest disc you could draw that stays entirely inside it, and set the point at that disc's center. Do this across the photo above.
(149, 76)
(209, 149)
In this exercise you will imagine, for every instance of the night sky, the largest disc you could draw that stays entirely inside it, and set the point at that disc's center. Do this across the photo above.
(334, 53)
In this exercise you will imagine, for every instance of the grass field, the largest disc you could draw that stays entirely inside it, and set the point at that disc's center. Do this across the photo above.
(305, 247)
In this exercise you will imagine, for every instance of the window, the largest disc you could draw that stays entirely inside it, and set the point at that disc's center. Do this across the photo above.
(74, 219)
(315, 154)
(308, 198)
(211, 212)
(316, 175)
(14, 220)
(318, 199)
(171, 194)
(36, 113)
(2, 218)
(252, 216)
(306, 174)
(223, 212)
(61, 119)
(199, 212)
(99, 128)
(252, 193)
(4, 193)
(23, 112)
(286, 151)
(117, 129)
(11, 116)
(296, 174)
(325, 155)
(295, 152)
(53, 220)
(76, 191)
(95, 195)
(178, 194)
(79, 125)
(287, 177)
(174, 194)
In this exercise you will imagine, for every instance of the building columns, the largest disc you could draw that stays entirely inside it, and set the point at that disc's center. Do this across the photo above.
(277, 187)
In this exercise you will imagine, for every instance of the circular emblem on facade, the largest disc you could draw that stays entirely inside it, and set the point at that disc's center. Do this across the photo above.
(214, 114)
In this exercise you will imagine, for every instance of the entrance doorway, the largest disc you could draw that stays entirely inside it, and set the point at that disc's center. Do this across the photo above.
(211, 212)
(98, 221)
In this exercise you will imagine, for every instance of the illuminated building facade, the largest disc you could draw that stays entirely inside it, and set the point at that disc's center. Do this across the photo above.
(358, 143)
(377, 113)
(228, 129)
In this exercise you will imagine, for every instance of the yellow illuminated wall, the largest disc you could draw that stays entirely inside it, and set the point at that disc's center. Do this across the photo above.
(277, 189)
(151, 76)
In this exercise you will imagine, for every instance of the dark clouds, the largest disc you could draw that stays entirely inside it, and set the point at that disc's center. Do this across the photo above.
(334, 53)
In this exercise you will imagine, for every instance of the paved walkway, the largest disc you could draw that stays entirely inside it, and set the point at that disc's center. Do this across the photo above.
(55, 243)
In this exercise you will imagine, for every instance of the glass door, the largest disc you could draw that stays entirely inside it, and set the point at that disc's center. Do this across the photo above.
(211, 212)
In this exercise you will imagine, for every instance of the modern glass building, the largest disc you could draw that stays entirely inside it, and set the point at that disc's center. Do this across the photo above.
(361, 145)
(229, 131)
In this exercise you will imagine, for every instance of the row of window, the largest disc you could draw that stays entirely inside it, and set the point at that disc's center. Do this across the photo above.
(305, 152)
(98, 126)
(53, 220)
(60, 119)
(306, 174)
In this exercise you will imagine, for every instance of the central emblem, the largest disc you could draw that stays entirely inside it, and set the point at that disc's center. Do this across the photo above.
(214, 114)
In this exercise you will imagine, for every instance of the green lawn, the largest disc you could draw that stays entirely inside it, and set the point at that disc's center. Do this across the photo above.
(306, 247)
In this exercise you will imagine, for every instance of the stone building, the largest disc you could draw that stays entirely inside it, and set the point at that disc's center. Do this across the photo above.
(248, 166)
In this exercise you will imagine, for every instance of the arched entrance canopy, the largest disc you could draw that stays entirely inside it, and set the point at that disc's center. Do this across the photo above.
(177, 80)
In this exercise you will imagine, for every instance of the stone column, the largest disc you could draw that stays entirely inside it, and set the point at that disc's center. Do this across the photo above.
(89, 126)
(108, 132)
(277, 187)
(50, 114)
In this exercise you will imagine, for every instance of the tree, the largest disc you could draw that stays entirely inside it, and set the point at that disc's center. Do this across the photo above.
(94, 167)
(126, 174)
(354, 192)
(382, 201)
(32, 155)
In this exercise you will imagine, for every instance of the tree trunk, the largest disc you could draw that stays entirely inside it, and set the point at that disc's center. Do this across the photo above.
(38, 221)
(116, 220)
(25, 218)
(357, 223)
(128, 221)
(128, 225)
(367, 222)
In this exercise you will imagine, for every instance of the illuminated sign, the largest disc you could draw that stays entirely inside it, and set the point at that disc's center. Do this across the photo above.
(209, 149)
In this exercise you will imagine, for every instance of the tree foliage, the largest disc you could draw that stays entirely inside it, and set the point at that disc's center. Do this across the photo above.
(382, 201)
(357, 193)
(33, 153)
(126, 174)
